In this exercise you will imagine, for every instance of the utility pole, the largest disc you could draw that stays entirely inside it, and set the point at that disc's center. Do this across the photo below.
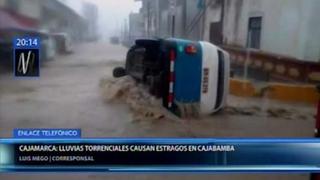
(148, 18)
(197, 19)
(173, 25)
(126, 32)
(172, 8)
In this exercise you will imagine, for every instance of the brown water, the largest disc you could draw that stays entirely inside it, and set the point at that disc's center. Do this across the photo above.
(68, 95)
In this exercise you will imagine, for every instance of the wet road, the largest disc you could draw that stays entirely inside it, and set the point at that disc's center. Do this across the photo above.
(67, 96)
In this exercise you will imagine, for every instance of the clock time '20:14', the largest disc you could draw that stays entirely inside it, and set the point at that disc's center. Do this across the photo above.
(27, 42)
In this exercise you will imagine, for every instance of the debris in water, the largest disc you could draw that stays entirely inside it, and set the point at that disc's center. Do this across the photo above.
(246, 111)
(144, 106)
(141, 102)
(274, 112)
(127, 90)
(279, 112)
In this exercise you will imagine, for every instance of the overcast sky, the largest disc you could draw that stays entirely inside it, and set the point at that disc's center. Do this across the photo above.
(111, 13)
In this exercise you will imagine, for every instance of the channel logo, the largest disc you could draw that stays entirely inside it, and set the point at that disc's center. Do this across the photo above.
(27, 63)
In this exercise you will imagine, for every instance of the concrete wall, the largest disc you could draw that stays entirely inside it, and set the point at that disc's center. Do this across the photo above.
(289, 27)
(186, 11)
(165, 19)
(151, 17)
(193, 23)
(136, 26)
(212, 15)
(180, 20)
(152, 20)
(161, 18)
(164, 24)
(57, 17)
(312, 44)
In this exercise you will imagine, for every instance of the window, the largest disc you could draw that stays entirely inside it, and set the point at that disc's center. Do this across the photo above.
(254, 32)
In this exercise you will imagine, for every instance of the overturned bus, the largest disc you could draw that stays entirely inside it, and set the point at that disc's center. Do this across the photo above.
(185, 74)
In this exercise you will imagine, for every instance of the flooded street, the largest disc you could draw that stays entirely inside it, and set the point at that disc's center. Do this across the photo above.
(172, 89)
(67, 95)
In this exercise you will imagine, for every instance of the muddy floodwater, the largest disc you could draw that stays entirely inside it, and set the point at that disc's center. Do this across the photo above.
(68, 95)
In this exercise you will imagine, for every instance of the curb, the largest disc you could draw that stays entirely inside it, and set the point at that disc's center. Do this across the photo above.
(277, 91)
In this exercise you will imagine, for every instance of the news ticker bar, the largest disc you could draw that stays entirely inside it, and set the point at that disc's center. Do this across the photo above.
(159, 155)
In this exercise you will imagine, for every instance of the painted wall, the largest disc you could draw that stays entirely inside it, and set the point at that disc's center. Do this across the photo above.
(289, 27)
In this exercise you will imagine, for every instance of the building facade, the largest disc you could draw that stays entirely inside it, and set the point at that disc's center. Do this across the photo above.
(136, 28)
(41, 15)
(20, 14)
(173, 18)
(58, 17)
(286, 27)
(90, 12)
(281, 37)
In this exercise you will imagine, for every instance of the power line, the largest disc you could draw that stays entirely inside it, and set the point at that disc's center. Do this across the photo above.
(198, 17)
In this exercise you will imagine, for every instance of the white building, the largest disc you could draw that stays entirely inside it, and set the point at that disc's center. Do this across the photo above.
(284, 27)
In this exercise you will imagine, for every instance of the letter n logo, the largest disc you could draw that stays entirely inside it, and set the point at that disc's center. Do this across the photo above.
(26, 63)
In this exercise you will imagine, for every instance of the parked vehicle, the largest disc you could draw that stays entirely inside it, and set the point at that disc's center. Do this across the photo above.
(115, 40)
(180, 72)
(63, 43)
(6, 52)
(48, 47)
